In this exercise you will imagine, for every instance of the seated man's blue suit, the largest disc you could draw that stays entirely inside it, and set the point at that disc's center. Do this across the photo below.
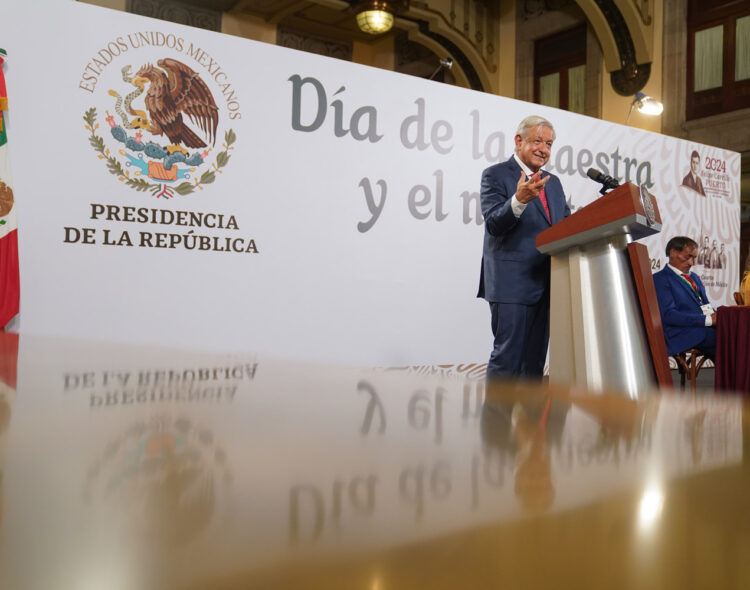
(681, 316)
(514, 274)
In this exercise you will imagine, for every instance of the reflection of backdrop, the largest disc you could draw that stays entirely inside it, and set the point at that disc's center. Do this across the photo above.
(4, 412)
(164, 474)
(526, 425)
(4, 422)
(525, 431)
(8, 361)
(694, 432)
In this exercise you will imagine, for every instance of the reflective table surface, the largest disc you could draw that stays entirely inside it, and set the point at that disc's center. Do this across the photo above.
(125, 467)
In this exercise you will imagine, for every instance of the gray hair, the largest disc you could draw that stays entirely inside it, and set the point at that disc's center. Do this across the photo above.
(532, 122)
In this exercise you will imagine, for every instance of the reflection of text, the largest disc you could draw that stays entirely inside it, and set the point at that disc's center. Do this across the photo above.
(193, 393)
(448, 478)
(122, 388)
(315, 510)
(424, 409)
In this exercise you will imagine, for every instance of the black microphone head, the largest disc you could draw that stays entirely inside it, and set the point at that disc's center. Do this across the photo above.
(594, 174)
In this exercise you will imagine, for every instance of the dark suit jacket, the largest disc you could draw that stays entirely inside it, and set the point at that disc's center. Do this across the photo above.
(681, 316)
(513, 271)
(696, 185)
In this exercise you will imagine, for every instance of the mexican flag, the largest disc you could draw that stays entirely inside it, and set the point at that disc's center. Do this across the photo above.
(9, 287)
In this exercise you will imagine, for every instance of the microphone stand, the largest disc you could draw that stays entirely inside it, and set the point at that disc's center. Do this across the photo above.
(445, 64)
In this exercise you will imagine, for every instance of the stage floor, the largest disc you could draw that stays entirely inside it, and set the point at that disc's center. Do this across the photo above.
(705, 380)
(125, 467)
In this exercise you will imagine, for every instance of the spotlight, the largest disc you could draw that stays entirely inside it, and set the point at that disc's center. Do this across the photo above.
(645, 105)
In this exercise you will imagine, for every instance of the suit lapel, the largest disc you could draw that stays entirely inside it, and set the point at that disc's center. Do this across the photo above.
(550, 202)
(540, 208)
(555, 211)
(684, 284)
(699, 284)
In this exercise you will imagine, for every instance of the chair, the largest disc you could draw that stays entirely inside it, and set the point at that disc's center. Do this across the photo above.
(738, 299)
(689, 363)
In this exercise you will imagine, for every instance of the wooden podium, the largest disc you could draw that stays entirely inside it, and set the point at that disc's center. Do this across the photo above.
(605, 327)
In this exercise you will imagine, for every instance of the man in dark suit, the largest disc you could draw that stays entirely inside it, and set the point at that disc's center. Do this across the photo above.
(687, 316)
(692, 180)
(519, 201)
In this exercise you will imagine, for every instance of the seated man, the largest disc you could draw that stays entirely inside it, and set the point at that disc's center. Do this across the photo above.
(687, 317)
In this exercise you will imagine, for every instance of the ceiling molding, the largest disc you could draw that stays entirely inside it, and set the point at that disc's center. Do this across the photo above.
(622, 36)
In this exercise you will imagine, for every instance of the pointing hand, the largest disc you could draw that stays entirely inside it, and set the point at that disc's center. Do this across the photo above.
(528, 190)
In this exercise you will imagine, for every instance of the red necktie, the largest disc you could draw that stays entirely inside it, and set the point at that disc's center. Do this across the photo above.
(691, 281)
(543, 199)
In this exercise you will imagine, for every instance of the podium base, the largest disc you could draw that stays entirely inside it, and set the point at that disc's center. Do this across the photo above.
(597, 334)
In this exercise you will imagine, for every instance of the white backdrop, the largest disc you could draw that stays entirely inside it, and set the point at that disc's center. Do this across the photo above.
(349, 226)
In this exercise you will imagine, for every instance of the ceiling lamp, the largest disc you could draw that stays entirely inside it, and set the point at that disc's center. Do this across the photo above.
(376, 16)
(645, 105)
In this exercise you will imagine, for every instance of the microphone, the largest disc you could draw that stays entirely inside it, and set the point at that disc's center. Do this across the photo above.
(607, 181)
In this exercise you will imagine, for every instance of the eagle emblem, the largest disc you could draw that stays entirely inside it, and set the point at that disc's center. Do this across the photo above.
(173, 90)
(6, 199)
(166, 126)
